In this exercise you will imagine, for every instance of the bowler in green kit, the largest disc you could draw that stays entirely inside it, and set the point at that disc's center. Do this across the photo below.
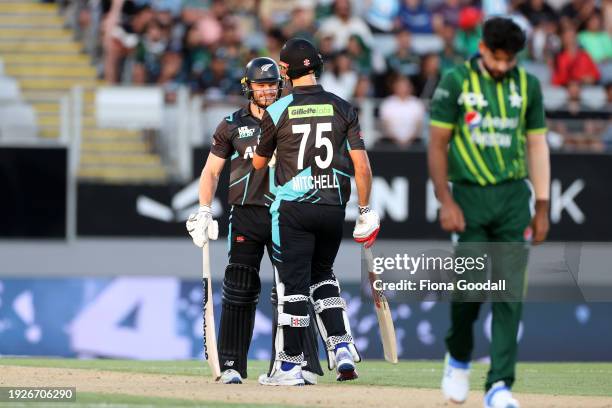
(489, 162)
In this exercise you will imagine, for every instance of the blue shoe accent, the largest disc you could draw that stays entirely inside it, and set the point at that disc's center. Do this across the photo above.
(340, 345)
(492, 392)
(286, 366)
(458, 364)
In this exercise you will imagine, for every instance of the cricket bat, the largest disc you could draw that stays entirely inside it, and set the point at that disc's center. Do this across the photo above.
(383, 313)
(210, 339)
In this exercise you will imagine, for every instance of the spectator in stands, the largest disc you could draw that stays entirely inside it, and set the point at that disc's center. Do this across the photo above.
(413, 16)
(595, 41)
(449, 57)
(573, 63)
(274, 13)
(446, 14)
(380, 15)
(363, 89)
(469, 33)
(360, 54)
(544, 42)
(122, 22)
(404, 60)
(155, 61)
(402, 115)
(577, 12)
(342, 25)
(537, 12)
(217, 79)
(302, 21)
(427, 79)
(341, 79)
(274, 42)
(195, 56)
(607, 135)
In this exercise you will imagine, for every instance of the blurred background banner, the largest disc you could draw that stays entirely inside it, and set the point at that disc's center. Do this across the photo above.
(160, 318)
(401, 193)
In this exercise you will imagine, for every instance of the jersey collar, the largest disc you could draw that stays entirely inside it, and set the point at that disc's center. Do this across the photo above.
(246, 112)
(309, 89)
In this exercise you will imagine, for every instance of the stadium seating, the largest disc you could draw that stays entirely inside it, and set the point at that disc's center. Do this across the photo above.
(45, 60)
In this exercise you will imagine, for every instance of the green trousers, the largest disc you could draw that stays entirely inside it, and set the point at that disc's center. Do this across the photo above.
(497, 214)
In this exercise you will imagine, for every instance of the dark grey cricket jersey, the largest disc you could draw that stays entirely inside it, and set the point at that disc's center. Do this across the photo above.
(236, 138)
(312, 131)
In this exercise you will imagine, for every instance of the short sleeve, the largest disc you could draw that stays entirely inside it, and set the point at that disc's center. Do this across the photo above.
(444, 108)
(535, 119)
(267, 139)
(353, 135)
(221, 145)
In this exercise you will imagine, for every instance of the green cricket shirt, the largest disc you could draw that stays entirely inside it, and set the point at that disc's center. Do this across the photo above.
(490, 120)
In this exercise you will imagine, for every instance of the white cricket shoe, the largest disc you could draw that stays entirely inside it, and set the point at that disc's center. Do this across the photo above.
(280, 377)
(231, 377)
(310, 378)
(500, 396)
(345, 365)
(456, 380)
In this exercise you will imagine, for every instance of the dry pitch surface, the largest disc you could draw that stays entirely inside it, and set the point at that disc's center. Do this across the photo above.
(410, 384)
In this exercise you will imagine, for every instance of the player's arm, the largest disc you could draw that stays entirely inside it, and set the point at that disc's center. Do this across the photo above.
(538, 159)
(363, 176)
(267, 142)
(368, 222)
(201, 225)
(443, 117)
(210, 178)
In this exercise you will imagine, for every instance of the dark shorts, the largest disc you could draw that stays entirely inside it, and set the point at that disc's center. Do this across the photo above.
(306, 239)
(249, 233)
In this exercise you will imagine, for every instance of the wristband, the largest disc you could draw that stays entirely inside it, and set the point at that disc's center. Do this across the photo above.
(205, 209)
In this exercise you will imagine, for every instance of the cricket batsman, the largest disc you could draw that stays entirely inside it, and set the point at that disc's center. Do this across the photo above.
(250, 193)
(316, 136)
(488, 137)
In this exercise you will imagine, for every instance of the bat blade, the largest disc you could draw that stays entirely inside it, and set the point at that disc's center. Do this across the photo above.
(383, 314)
(210, 338)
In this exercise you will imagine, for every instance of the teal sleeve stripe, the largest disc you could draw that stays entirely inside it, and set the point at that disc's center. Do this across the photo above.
(277, 108)
(234, 155)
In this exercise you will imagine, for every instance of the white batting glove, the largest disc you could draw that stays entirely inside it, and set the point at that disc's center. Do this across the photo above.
(366, 227)
(202, 227)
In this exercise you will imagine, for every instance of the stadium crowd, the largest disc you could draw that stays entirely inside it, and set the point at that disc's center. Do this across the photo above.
(391, 50)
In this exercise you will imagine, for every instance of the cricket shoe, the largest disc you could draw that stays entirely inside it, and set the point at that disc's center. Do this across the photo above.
(282, 377)
(500, 396)
(231, 377)
(345, 365)
(456, 380)
(310, 378)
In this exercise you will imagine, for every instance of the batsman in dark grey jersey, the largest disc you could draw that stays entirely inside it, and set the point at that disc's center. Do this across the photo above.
(318, 142)
(251, 192)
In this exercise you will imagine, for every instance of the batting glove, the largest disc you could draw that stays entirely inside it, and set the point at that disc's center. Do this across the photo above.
(202, 227)
(366, 227)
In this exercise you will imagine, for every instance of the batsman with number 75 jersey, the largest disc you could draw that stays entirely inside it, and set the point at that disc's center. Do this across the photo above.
(488, 135)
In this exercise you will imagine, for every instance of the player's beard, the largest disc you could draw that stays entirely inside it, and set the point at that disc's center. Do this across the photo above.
(264, 100)
(496, 75)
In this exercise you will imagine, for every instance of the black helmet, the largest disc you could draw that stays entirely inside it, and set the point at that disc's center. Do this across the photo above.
(298, 56)
(261, 70)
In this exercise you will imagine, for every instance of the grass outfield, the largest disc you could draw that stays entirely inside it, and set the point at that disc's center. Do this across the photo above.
(584, 379)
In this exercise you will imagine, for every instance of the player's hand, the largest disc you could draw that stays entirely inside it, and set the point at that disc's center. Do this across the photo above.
(451, 217)
(202, 227)
(366, 227)
(540, 223)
